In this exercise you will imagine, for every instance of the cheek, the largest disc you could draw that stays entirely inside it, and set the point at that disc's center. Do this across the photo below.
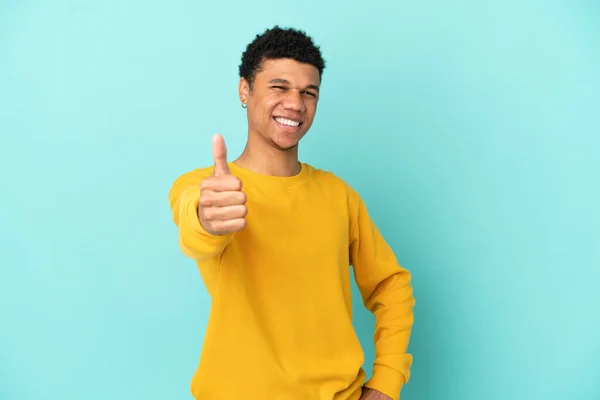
(266, 107)
(261, 110)
(311, 109)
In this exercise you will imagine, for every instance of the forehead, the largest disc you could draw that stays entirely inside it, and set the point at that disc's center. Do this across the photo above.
(291, 70)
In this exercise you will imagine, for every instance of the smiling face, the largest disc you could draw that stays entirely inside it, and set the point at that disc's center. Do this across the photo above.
(282, 102)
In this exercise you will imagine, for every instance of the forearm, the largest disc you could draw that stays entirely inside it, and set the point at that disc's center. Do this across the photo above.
(386, 290)
(392, 304)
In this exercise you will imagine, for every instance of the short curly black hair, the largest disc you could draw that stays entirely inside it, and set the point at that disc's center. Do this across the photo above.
(276, 43)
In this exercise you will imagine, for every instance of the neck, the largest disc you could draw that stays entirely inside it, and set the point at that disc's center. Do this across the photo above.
(264, 158)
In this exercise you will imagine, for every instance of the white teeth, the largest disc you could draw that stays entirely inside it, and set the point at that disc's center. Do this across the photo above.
(287, 122)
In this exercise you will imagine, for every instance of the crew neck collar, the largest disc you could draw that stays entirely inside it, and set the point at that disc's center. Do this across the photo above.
(288, 181)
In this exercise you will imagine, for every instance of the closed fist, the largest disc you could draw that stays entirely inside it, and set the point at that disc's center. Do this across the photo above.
(222, 206)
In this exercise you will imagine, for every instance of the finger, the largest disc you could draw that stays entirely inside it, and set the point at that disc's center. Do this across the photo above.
(220, 156)
(225, 213)
(222, 199)
(225, 183)
(232, 225)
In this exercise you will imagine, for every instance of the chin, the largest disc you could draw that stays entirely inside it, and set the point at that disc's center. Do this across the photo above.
(285, 145)
(284, 142)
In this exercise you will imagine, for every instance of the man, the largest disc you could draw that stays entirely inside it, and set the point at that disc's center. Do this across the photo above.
(274, 239)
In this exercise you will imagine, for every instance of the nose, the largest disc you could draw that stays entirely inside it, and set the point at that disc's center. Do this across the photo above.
(294, 101)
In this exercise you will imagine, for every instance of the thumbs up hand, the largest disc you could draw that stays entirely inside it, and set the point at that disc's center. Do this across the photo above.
(222, 206)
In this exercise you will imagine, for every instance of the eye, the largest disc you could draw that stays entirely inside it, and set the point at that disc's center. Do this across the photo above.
(310, 94)
(279, 87)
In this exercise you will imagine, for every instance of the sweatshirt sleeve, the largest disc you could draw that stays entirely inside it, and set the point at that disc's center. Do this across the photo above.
(194, 240)
(387, 293)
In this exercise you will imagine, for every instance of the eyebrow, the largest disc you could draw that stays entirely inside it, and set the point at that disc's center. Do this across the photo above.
(286, 82)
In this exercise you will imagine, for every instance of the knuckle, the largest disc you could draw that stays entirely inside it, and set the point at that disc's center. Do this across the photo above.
(205, 200)
(217, 226)
(238, 225)
(205, 184)
(236, 182)
(209, 214)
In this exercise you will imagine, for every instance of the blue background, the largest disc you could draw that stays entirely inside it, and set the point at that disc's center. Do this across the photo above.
(470, 128)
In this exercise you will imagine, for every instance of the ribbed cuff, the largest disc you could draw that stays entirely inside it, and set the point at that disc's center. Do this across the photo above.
(191, 216)
(387, 381)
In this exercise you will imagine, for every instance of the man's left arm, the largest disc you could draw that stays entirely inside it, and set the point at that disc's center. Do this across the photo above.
(386, 292)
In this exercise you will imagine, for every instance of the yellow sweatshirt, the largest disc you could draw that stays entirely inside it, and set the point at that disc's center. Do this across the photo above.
(280, 325)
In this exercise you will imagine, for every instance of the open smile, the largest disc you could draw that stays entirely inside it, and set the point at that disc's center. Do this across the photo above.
(289, 123)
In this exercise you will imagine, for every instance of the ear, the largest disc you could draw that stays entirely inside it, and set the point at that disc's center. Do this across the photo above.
(244, 90)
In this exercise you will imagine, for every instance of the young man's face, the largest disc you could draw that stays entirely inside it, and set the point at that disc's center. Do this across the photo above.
(283, 101)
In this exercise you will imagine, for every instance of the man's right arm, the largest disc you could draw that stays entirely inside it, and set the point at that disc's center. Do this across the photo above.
(208, 206)
(194, 240)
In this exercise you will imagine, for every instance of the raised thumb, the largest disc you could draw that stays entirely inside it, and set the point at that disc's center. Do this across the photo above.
(220, 156)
